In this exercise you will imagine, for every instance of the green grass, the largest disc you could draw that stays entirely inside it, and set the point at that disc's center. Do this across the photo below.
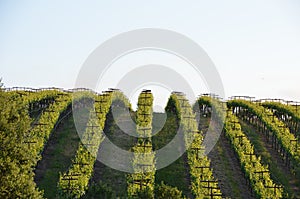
(175, 174)
(228, 172)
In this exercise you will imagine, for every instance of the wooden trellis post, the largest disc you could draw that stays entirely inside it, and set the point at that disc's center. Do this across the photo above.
(92, 133)
(240, 137)
(61, 100)
(107, 93)
(49, 111)
(144, 104)
(61, 94)
(144, 130)
(296, 142)
(211, 193)
(80, 164)
(144, 146)
(88, 145)
(202, 169)
(183, 103)
(145, 97)
(275, 187)
(22, 94)
(113, 89)
(282, 127)
(97, 112)
(29, 143)
(145, 114)
(40, 124)
(146, 91)
(101, 101)
(211, 188)
(296, 104)
(197, 150)
(234, 122)
(141, 182)
(188, 119)
(178, 93)
(261, 173)
(250, 155)
(70, 178)
(196, 132)
(145, 166)
(271, 115)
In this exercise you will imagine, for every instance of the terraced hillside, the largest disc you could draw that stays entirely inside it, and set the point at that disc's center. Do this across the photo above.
(52, 141)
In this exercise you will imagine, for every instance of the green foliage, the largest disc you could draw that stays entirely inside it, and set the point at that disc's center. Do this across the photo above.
(195, 152)
(173, 106)
(273, 125)
(218, 108)
(143, 155)
(1, 84)
(243, 147)
(16, 179)
(167, 133)
(18, 157)
(163, 191)
(174, 174)
(145, 193)
(83, 164)
(284, 109)
(250, 164)
(99, 191)
(23, 141)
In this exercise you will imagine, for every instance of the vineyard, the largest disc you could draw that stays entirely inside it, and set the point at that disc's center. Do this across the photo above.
(51, 141)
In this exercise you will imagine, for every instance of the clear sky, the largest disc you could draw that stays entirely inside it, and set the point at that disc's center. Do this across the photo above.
(254, 44)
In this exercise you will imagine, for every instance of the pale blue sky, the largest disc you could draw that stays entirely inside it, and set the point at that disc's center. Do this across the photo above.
(255, 45)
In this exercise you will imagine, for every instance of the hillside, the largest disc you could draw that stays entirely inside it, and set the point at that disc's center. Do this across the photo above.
(52, 141)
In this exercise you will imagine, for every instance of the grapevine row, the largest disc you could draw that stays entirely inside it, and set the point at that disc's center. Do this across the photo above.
(38, 135)
(286, 113)
(203, 183)
(257, 174)
(283, 141)
(141, 182)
